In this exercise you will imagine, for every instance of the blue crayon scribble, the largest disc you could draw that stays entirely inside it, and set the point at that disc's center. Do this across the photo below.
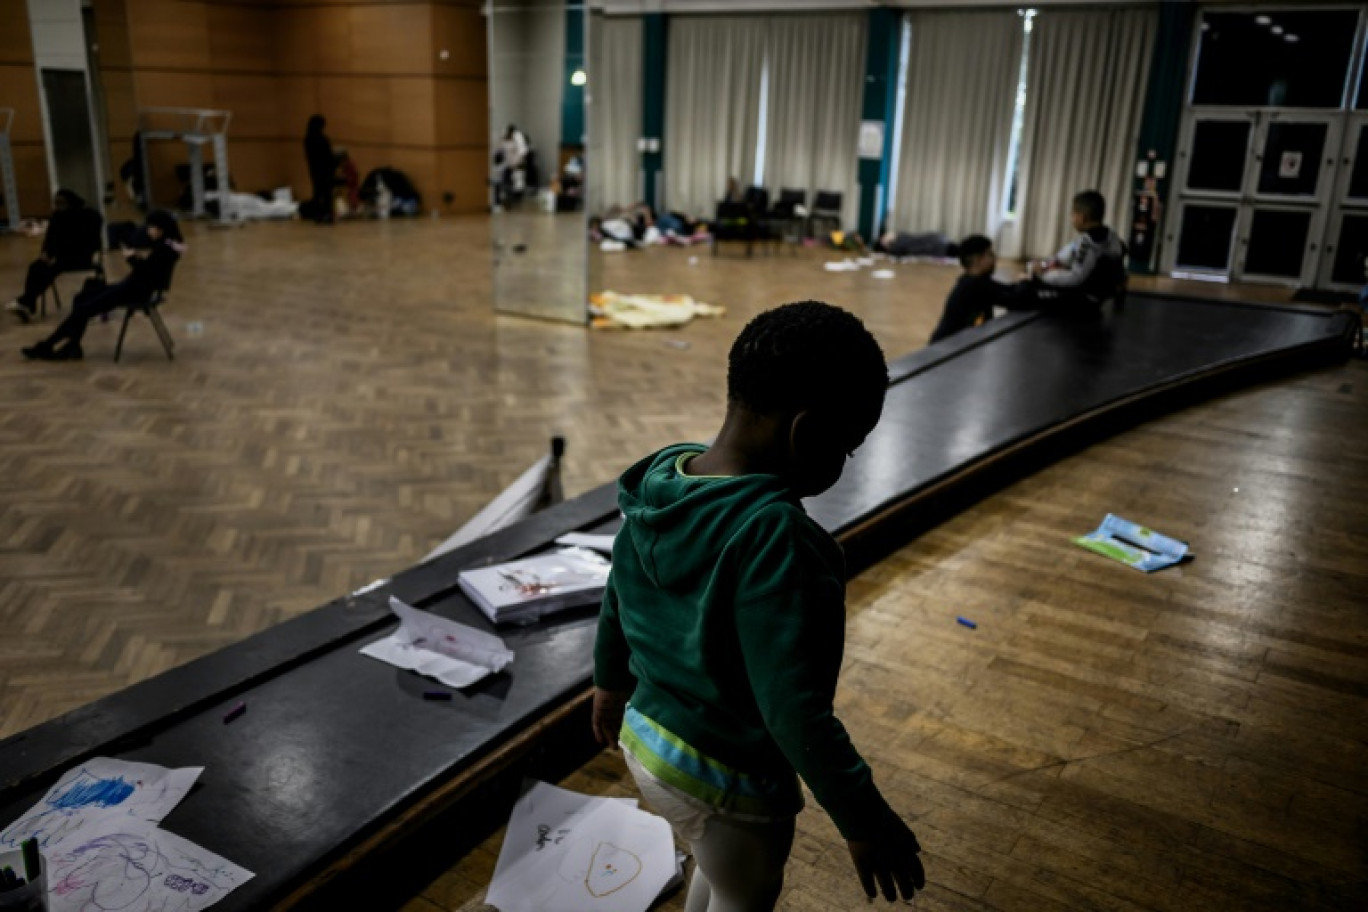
(88, 791)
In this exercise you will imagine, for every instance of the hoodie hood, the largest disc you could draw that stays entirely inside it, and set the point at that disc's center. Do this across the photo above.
(677, 524)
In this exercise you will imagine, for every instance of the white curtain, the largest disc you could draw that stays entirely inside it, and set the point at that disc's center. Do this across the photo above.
(816, 90)
(962, 77)
(615, 75)
(712, 99)
(1085, 95)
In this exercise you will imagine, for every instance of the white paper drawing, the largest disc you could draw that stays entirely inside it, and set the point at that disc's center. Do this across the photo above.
(453, 653)
(565, 852)
(603, 544)
(136, 867)
(99, 790)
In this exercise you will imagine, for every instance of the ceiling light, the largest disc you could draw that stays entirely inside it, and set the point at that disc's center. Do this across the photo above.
(1291, 38)
(1277, 30)
(1262, 20)
(578, 78)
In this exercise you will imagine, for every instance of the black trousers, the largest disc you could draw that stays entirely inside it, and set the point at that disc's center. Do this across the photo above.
(88, 306)
(40, 277)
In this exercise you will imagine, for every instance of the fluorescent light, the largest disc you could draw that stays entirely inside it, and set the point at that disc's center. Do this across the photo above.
(1277, 30)
(1291, 38)
(1262, 20)
(578, 78)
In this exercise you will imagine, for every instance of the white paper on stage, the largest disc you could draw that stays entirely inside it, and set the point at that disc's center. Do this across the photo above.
(603, 544)
(517, 501)
(453, 653)
(98, 791)
(565, 852)
(135, 866)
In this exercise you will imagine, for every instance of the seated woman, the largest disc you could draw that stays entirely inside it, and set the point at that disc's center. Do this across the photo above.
(73, 237)
(151, 272)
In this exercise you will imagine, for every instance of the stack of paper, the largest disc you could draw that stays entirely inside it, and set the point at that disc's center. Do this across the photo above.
(97, 829)
(522, 591)
(566, 852)
(453, 653)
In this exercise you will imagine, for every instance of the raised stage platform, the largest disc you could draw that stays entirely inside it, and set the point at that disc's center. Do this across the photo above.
(339, 757)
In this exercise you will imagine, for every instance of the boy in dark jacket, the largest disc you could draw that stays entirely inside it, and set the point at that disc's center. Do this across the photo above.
(722, 628)
(976, 293)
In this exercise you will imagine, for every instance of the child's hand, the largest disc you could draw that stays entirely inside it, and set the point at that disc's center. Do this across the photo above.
(609, 708)
(891, 862)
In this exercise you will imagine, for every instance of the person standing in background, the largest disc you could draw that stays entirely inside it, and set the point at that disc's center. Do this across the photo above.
(318, 152)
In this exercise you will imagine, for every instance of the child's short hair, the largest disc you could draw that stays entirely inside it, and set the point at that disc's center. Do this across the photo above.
(1092, 204)
(807, 355)
(972, 246)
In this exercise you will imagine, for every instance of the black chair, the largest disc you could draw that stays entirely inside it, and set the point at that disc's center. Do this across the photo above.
(826, 210)
(150, 309)
(733, 222)
(91, 252)
(785, 211)
(766, 228)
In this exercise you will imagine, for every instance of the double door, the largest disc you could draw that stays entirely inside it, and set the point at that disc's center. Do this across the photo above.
(1255, 192)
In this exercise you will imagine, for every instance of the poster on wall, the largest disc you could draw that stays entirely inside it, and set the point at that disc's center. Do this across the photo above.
(871, 139)
(1289, 168)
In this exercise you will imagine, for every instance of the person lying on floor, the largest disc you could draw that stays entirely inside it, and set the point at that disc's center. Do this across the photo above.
(72, 239)
(151, 269)
(1088, 271)
(974, 296)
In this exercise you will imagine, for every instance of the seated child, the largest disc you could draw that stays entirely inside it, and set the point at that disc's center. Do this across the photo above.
(1089, 270)
(976, 293)
(722, 628)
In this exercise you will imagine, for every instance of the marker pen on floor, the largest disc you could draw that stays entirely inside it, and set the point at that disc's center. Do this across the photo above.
(235, 712)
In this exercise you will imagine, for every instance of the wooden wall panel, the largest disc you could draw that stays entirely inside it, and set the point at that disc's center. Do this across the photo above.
(462, 113)
(31, 176)
(298, 97)
(391, 39)
(241, 38)
(463, 173)
(461, 32)
(16, 38)
(261, 165)
(160, 89)
(412, 110)
(169, 34)
(297, 39)
(357, 108)
(19, 90)
(254, 101)
(121, 105)
(111, 30)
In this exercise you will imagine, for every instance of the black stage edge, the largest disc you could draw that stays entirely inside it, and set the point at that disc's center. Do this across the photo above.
(339, 759)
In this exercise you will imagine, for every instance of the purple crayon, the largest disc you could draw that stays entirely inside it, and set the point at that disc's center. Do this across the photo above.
(234, 713)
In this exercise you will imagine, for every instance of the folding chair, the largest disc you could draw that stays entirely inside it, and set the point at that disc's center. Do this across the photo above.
(826, 209)
(148, 307)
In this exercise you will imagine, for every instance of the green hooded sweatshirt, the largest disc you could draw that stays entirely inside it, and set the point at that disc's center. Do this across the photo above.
(724, 617)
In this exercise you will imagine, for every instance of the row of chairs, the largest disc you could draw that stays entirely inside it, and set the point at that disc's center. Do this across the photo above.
(119, 233)
(754, 219)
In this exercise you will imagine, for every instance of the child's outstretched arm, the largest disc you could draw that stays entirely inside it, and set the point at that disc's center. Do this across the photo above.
(791, 625)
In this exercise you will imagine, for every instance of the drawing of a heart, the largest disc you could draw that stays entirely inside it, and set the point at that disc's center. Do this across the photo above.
(611, 869)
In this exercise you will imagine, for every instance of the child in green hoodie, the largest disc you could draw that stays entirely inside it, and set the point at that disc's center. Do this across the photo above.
(723, 625)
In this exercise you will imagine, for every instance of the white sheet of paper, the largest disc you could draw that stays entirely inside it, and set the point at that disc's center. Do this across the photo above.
(603, 544)
(136, 867)
(453, 653)
(565, 852)
(101, 790)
